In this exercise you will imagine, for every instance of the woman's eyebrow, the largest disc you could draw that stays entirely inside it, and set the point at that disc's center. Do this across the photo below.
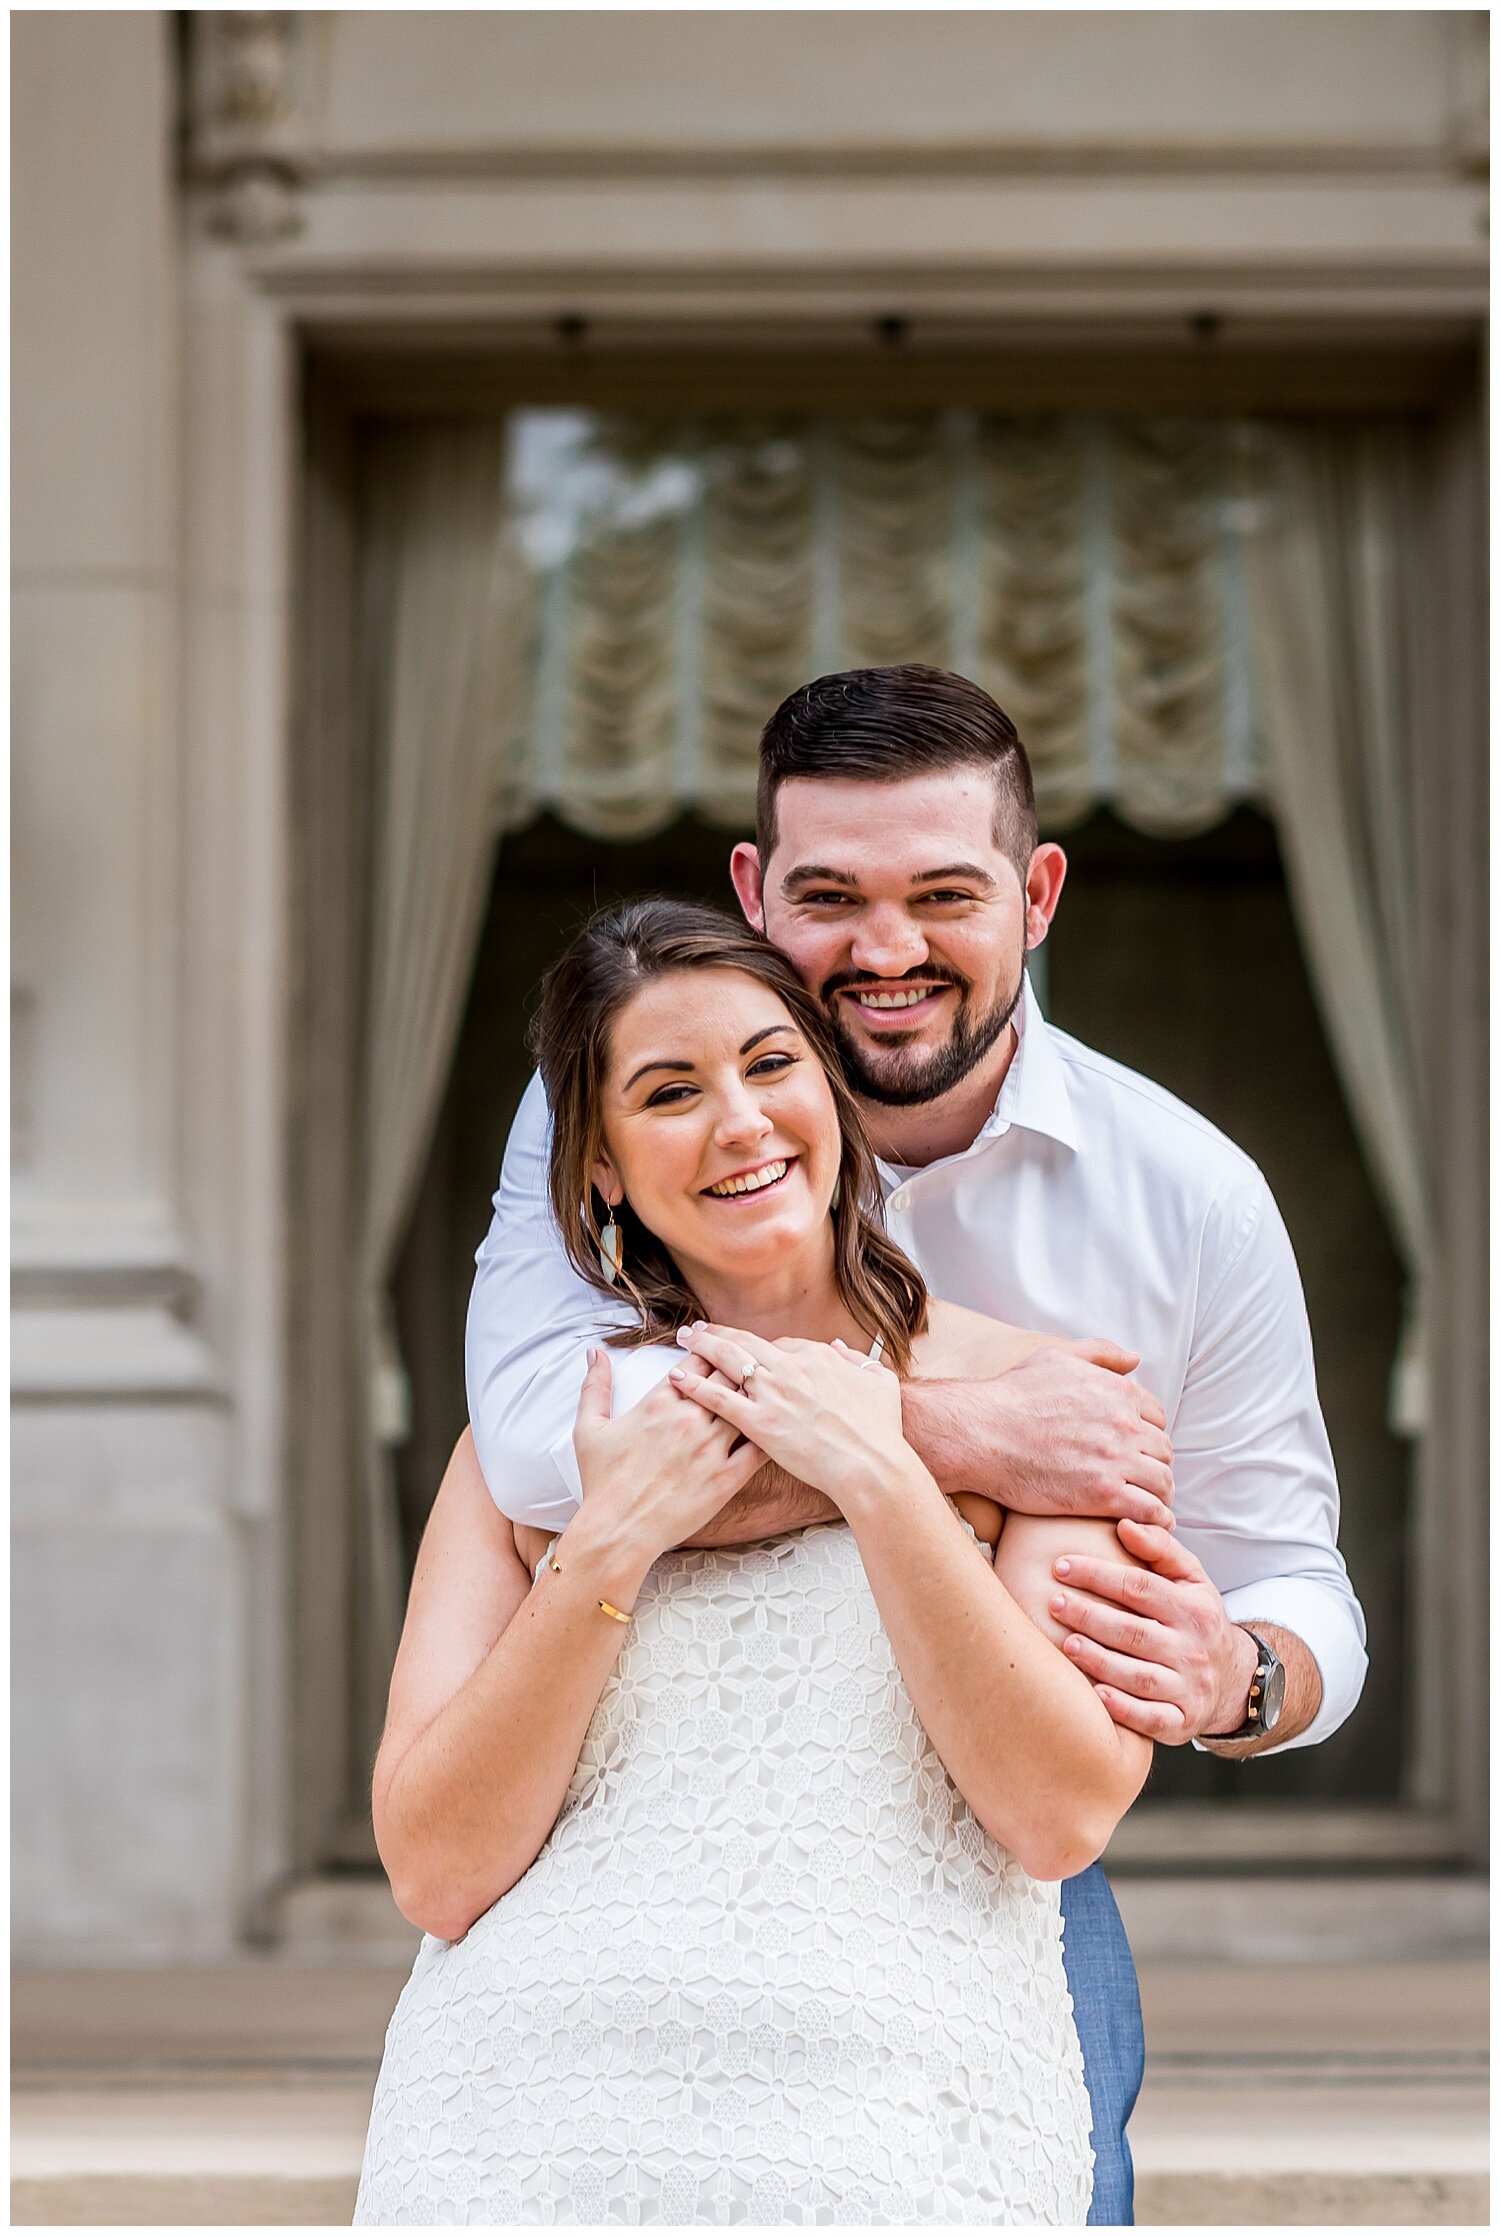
(685, 1063)
(660, 1063)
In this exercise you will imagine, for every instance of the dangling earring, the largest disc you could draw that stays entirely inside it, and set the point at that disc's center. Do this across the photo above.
(611, 1247)
(838, 1189)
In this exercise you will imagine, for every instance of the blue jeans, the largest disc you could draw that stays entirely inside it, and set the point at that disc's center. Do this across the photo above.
(1107, 2013)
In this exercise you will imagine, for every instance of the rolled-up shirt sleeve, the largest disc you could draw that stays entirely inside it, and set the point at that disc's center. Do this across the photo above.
(531, 1319)
(1257, 1499)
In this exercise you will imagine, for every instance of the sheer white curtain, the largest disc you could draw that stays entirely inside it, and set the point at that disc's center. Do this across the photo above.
(1086, 571)
(1329, 616)
(445, 629)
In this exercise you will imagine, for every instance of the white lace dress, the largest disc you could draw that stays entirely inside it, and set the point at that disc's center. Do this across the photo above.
(767, 1968)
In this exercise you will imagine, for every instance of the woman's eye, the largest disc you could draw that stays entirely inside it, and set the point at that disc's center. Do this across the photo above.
(665, 1096)
(769, 1065)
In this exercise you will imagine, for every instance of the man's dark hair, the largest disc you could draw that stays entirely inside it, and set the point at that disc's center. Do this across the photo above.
(890, 723)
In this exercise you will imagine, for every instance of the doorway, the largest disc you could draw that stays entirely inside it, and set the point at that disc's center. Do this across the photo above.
(1176, 955)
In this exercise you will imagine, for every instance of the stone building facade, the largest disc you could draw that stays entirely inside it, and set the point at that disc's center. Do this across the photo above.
(226, 225)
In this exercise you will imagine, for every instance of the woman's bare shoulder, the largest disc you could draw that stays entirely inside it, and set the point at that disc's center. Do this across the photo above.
(963, 1346)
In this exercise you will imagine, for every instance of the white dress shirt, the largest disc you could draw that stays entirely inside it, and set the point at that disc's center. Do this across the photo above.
(1091, 1203)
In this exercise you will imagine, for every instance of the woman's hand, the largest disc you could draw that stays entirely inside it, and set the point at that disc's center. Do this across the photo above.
(819, 1410)
(654, 1474)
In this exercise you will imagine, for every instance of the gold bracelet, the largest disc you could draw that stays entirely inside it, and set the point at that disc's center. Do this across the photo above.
(614, 1612)
(554, 1564)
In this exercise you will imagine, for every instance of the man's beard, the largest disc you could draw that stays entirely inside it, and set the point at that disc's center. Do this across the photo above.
(909, 1075)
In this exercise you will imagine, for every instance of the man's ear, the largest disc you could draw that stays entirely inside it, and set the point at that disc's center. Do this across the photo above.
(1045, 877)
(744, 871)
(1044, 884)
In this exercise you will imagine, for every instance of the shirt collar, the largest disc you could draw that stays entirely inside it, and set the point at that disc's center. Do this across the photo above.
(1033, 1095)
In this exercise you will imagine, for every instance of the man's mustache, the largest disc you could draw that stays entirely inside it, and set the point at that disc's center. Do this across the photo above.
(845, 981)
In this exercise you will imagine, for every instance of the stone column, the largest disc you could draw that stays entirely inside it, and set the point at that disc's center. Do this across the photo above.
(128, 1637)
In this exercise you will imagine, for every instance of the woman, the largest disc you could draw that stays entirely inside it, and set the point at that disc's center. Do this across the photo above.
(736, 1866)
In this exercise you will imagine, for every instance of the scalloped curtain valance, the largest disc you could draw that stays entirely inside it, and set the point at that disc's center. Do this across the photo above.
(689, 574)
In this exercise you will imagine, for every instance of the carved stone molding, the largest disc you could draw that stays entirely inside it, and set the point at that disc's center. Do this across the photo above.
(247, 143)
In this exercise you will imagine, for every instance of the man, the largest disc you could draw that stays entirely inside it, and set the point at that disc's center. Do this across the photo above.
(897, 864)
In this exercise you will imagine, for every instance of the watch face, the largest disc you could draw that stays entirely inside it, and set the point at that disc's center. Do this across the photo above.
(1275, 1694)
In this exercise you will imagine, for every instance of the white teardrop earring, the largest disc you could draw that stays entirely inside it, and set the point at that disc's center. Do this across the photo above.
(611, 1248)
(838, 1190)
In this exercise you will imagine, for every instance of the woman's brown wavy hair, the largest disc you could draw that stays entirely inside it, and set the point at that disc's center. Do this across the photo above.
(616, 954)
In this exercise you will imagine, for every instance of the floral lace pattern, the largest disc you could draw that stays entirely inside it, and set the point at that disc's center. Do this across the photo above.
(767, 1968)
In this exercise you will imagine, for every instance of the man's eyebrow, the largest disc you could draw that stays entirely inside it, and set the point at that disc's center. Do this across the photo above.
(683, 1063)
(970, 872)
(814, 873)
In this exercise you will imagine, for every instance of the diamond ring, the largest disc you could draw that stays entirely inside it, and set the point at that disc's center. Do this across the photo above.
(746, 1371)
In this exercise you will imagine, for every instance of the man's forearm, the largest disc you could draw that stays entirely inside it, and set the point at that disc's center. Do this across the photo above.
(1054, 1435)
(1304, 1696)
(937, 1422)
(770, 1503)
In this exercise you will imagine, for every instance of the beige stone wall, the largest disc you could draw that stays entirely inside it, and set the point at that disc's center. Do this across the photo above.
(94, 529)
(1051, 85)
(127, 1647)
(637, 167)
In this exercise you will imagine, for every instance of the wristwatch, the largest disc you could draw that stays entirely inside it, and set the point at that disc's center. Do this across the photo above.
(1267, 1694)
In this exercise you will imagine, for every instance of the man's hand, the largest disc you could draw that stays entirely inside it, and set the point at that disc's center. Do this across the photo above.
(1162, 1651)
(1064, 1432)
(771, 1503)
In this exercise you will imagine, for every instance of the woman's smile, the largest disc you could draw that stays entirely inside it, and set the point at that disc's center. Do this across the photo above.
(758, 1180)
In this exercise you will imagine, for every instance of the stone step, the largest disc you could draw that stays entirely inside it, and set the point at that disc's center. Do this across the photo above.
(238, 2095)
(285, 2150)
(1409, 2150)
(275, 2149)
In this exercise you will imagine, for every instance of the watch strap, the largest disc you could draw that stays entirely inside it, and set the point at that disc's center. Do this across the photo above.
(1267, 1659)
